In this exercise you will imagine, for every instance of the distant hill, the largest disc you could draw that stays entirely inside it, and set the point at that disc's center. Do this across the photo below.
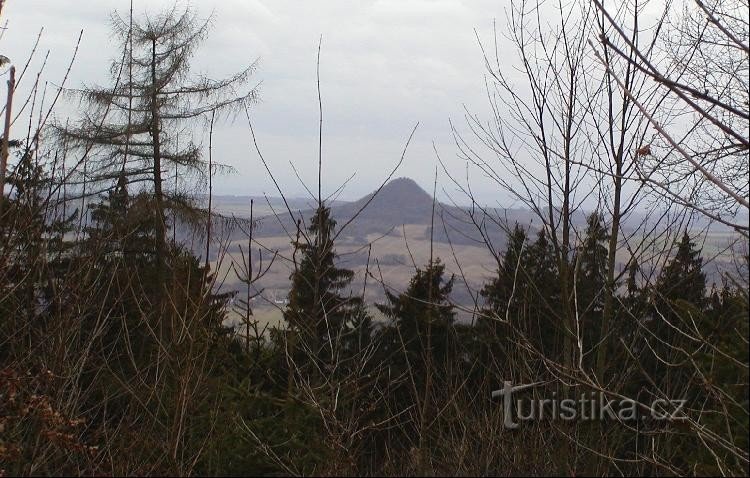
(402, 201)
(400, 214)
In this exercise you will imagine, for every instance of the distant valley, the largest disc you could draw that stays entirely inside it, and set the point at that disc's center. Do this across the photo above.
(388, 235)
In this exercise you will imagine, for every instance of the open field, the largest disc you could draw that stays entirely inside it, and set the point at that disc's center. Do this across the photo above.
(391, 265)
(392, 261)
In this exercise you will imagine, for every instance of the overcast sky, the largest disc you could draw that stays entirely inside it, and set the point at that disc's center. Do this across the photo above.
(385, 65)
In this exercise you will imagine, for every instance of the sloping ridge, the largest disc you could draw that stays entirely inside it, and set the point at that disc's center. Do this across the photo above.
(402, 194)
(400, 201)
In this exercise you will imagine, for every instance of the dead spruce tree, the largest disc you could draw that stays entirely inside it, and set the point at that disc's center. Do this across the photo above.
(131, 127)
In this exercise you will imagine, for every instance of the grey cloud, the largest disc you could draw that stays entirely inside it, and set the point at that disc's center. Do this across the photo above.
(385, 65)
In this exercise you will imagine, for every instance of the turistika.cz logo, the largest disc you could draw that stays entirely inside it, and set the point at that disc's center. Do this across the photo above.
(587, 407)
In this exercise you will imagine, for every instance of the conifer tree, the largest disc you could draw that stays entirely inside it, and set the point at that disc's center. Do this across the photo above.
(591, 281)
(633, 303)
(510, 278)
(632, 286)
(423, 315)
(543, 321)
(126, 325)
(683, 278)
(321, 309)
(131, 128)
(35, 237)
(121, 225)
(418, 346)
(679, 300)
(504, 298)
(526, 293)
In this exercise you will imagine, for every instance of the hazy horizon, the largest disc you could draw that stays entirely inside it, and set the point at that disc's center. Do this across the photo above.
(381, 73)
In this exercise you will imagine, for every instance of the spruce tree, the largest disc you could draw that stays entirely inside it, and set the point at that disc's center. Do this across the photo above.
(121, 225)
(422, 316)
(542, 323)
(526, 293)
(418, 345)
(34, 236)
(632, 286)
(126, 325)
(679, 299)
(683, 278)
(321, 309)
(591, 283)
(633, 303)
(510, 278)
(504, 297)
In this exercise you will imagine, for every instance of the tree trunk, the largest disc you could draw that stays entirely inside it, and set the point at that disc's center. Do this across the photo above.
(158, 195)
